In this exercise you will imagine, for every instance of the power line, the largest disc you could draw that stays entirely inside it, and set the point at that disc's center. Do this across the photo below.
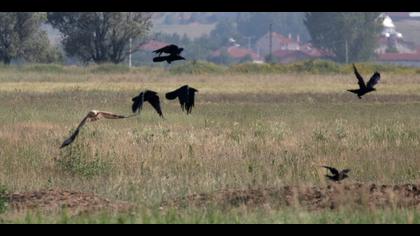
(270, 41)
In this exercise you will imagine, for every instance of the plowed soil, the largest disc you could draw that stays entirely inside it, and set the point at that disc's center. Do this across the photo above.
(53, 200)
(312, 198)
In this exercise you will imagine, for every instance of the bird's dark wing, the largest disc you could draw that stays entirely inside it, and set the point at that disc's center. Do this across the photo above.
(191, 98)
(160, 59)
(70, 139)
(154, 100)
(173, 94)
(181, 94)
(333, 170)
(361, 82)
(168, 59)
(345, 171)
(174, 57)
(161, 50)
(137, 103)
(167, 49)
(374, 80)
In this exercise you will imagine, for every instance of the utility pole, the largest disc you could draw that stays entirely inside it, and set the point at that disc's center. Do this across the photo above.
(270, 42)
(347, 52)
(249, 41)
(129, 55)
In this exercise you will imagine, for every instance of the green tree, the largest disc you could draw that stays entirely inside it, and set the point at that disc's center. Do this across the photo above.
(351, 35)
(19, 32)
(222, 32)
(40, 50)
(100, 36)
(224, 58)
(246, 59)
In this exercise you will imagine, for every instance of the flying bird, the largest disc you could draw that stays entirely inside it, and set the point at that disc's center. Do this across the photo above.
(185, 95)
(365, 88)
(149, 96)
(169, 59)
(93, 115)
(169, 49)
(337, 175)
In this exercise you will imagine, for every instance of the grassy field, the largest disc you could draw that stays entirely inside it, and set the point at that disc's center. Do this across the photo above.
(245, 131)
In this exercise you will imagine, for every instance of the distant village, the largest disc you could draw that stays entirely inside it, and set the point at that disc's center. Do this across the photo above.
(393, 47)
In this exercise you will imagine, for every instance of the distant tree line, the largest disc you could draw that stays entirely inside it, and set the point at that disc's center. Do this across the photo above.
(349, 36)
(103, 37)
(346, 36)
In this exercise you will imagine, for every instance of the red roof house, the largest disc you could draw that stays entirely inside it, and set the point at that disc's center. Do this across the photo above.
(401, 57)
(279, 42)
(237, 53)
(406, 59)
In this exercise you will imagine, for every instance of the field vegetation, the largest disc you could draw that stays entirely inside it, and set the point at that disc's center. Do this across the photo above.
(253, 127)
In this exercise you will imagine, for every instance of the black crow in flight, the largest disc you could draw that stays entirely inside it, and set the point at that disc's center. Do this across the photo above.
(149, 96)
(169, 49)
(91, 116)
(365, 88)
(337, 175)
(185, 95)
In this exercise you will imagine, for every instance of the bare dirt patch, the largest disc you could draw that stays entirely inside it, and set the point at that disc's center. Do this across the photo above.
(312, 198)
(54, 200)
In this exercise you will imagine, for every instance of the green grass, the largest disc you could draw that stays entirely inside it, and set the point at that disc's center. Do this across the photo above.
(237, 216)
(236, 137)
(49, 72)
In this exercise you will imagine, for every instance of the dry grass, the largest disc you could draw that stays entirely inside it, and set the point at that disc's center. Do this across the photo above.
(236, 137)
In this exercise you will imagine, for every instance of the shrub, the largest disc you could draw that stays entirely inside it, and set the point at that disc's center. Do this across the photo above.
(110, 68)
(46, 68)
(80, 159)
(316, 66)
(257, 68)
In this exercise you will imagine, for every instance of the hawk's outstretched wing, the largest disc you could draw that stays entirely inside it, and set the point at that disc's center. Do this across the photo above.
(110, 115)
(91, 116)
(70, 139)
